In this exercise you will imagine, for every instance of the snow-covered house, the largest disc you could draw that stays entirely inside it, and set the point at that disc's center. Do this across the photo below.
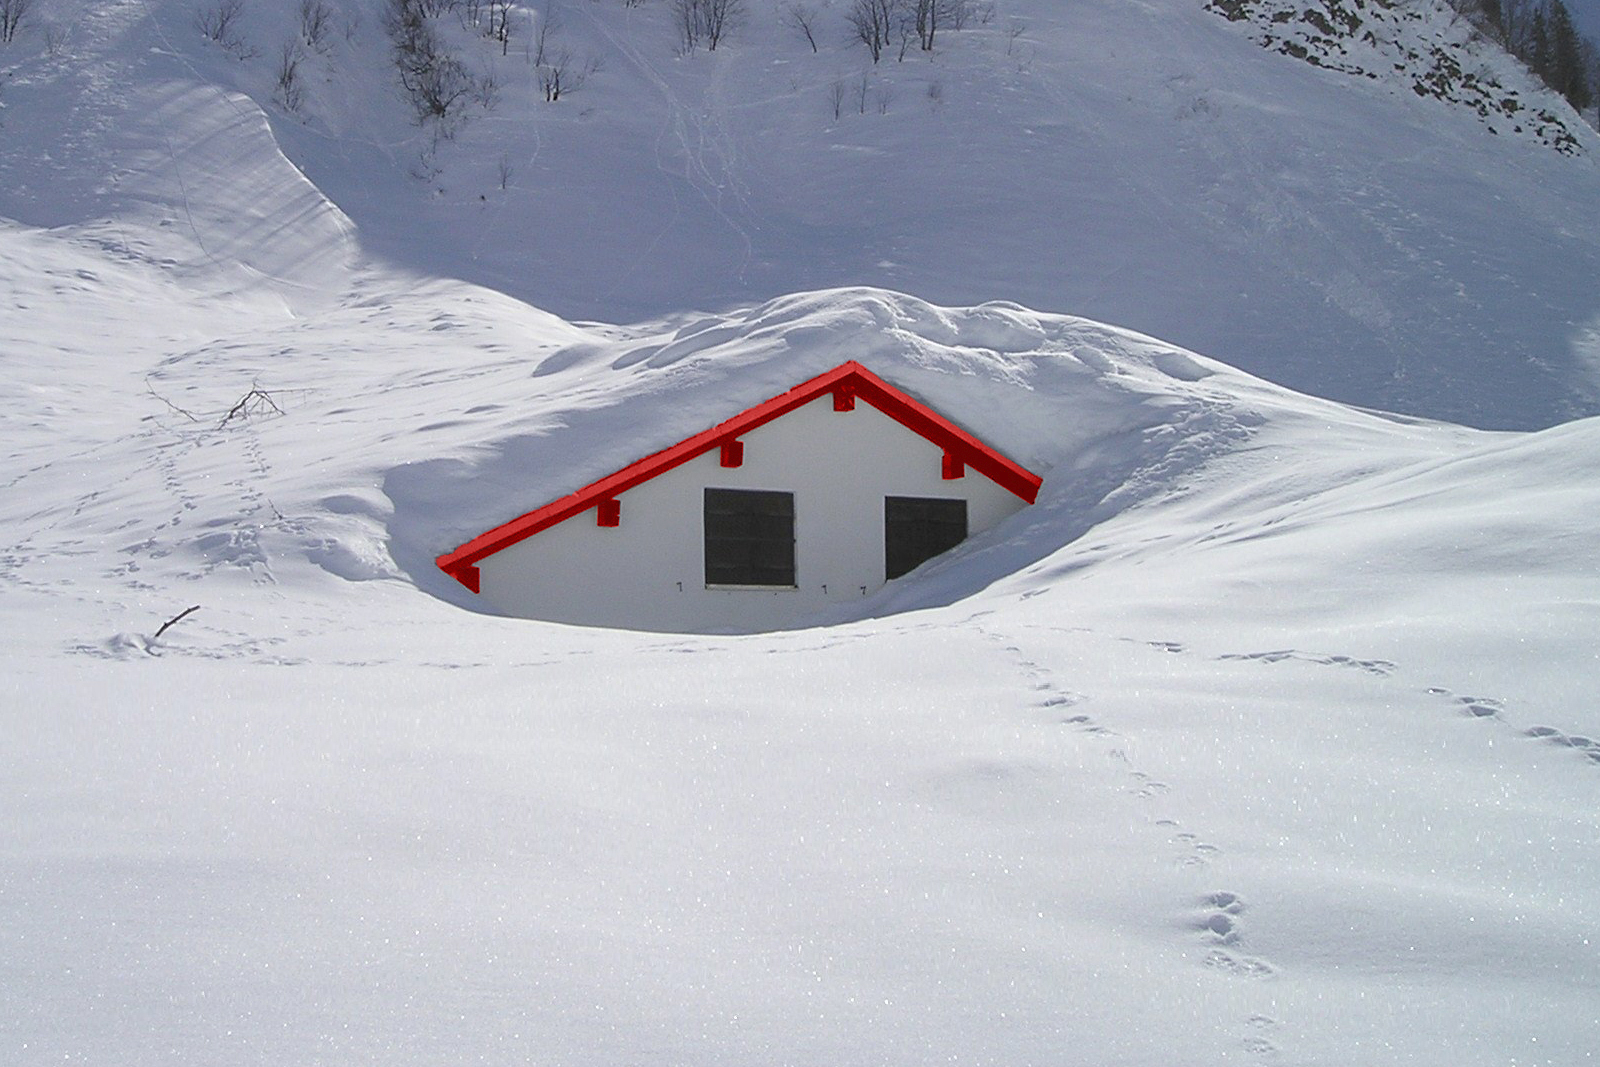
(816, 496)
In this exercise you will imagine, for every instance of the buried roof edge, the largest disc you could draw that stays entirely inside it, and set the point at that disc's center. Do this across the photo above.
(849, 379)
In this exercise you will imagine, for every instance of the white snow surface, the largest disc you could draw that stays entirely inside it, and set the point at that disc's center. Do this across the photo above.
(1143, 163)
(1268, 735)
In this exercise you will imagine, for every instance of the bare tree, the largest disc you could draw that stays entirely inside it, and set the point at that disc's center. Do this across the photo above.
(557, 70)
(721, 17)
(705, 20)
(288, 89)
(686, 23)
(316, 22)
(544, 31)
(436, 82)
(1014, 30)
(218, 22)
(1516, 21)
(925, 18)
(12, 12)
(1591, 63)
(873, 23)
(500, 24)
(561, 73)
(801, 18)
(905, 28)
(438, 87)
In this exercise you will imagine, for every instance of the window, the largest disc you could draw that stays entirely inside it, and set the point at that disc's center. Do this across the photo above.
(749, 537)
(915, 529)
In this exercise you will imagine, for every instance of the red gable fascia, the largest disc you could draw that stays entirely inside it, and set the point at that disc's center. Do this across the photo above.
(847, 382)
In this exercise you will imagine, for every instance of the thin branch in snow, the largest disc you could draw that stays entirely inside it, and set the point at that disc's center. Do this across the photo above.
(152, 391)
(179, 617)
(253, 401)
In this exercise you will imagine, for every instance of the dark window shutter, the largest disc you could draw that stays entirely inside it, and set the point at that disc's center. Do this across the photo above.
(749, 537)
(915, 529)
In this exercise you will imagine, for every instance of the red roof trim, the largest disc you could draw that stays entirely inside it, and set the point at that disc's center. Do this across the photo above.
(848, 379)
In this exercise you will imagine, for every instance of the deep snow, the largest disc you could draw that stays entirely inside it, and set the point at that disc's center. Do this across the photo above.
(1146, 164)
(1268, 734)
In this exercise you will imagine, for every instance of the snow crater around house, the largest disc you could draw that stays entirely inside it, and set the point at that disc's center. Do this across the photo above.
(1270, 711)
(1270, 733)
(1048, 390)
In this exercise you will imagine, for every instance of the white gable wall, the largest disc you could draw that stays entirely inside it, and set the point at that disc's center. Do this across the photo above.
(649, 572)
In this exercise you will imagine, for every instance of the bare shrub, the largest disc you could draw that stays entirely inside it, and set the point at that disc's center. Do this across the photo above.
(437, 83)
(705, 20)
(12, 12)
(545, 28)
(500, 24)
(287, 87)
(686, 23)
(802, 19)
(316, 23)
(219, 22)
(562, 73)
(873, 23)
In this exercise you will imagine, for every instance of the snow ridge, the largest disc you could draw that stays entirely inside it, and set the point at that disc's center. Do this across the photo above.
(1269, 733)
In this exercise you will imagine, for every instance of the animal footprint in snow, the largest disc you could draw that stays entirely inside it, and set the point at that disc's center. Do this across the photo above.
(1198, 854)
(1146, 787)
(1256, 1041)
(1480, 707)
(1084, 723)
(1587, 745)
(1225, 901)
(1222, 927)
(1221, 917)
(1238, 966)
(1380, 667)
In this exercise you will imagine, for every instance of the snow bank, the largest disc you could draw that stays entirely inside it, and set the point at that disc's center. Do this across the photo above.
(1269, 732)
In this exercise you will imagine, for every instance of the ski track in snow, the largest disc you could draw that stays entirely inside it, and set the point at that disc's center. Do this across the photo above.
(711, 181)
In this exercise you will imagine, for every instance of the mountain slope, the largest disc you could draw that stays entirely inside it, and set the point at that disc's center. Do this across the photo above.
(1146, 164)
(1268, 734)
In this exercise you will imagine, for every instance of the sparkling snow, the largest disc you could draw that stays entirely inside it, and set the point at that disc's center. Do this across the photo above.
(1268, 735)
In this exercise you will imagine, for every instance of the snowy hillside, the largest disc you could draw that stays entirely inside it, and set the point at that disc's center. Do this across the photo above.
(1268, 731)
(1267, 735)
(1147, 164)
(1441, 58)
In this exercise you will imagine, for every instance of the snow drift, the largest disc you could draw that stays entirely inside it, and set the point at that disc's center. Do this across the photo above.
(1269, 733)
